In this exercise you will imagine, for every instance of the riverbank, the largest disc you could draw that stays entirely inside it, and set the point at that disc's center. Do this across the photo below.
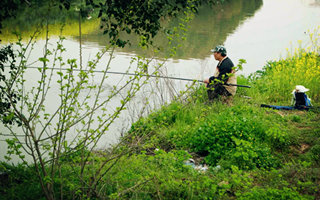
(240, 151)
(251, 152)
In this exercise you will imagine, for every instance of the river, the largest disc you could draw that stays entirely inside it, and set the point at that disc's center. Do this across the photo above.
(255, 30)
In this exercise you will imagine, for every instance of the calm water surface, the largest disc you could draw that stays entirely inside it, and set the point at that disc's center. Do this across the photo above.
(254, 30)
(257, 31)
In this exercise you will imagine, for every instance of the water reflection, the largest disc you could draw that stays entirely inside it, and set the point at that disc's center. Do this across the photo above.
(211, 26)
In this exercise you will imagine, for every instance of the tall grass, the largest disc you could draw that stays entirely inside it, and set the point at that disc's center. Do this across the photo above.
(278, 78)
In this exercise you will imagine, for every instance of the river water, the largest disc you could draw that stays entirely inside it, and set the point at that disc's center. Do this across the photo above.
(254, 30)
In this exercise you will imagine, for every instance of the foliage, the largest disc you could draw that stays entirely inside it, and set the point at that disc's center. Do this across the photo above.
(50, 136)
(7, 10)
(270, 193)
(140, 17)
(12, 8)
(250, 156)
(7, 97)
(251, 152)
(57, 136)
(158, 171)
(236, 132)
(121, 16)
(278, 78)
(314, 153)
(18, 182)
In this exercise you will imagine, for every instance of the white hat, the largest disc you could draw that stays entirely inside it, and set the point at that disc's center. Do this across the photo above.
(300, 88)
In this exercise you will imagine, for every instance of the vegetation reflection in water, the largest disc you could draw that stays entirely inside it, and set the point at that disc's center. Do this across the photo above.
(212, 25)
(28, 21)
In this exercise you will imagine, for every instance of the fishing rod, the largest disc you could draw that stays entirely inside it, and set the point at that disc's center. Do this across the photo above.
(134, 74)
(201, 81)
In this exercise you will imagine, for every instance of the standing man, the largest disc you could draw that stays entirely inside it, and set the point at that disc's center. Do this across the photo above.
(225, 74)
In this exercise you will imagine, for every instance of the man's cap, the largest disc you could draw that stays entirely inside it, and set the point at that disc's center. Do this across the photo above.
(219, 49)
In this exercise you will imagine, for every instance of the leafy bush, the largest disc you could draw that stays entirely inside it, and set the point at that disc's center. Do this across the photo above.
(277, 138)
(271, 193)
(161, 174)
(314, 153)
(235, 133)
(247, 155)
(18, 182)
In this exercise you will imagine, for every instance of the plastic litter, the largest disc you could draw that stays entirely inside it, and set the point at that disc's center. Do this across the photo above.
(200, 168)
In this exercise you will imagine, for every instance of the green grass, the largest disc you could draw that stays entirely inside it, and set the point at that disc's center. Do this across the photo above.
(251, 152)
(274, 153)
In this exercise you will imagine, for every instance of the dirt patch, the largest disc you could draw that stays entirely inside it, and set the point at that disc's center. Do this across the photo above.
(304, 147)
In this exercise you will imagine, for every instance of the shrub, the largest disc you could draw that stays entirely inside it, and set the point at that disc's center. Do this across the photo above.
(277, 138)
(247, 155)
(314, 153)
(239, 135)
(19, 182)
(271, 193)
(216, 136)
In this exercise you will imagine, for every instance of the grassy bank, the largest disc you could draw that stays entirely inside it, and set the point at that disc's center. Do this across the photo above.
(250, 152)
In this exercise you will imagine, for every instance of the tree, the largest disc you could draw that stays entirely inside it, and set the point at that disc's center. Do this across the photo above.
(68, 133)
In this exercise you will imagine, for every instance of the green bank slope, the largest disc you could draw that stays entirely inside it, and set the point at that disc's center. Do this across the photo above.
(240, 151)
(250, 152)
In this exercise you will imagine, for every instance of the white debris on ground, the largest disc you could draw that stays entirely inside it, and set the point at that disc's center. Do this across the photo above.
(200, 168)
